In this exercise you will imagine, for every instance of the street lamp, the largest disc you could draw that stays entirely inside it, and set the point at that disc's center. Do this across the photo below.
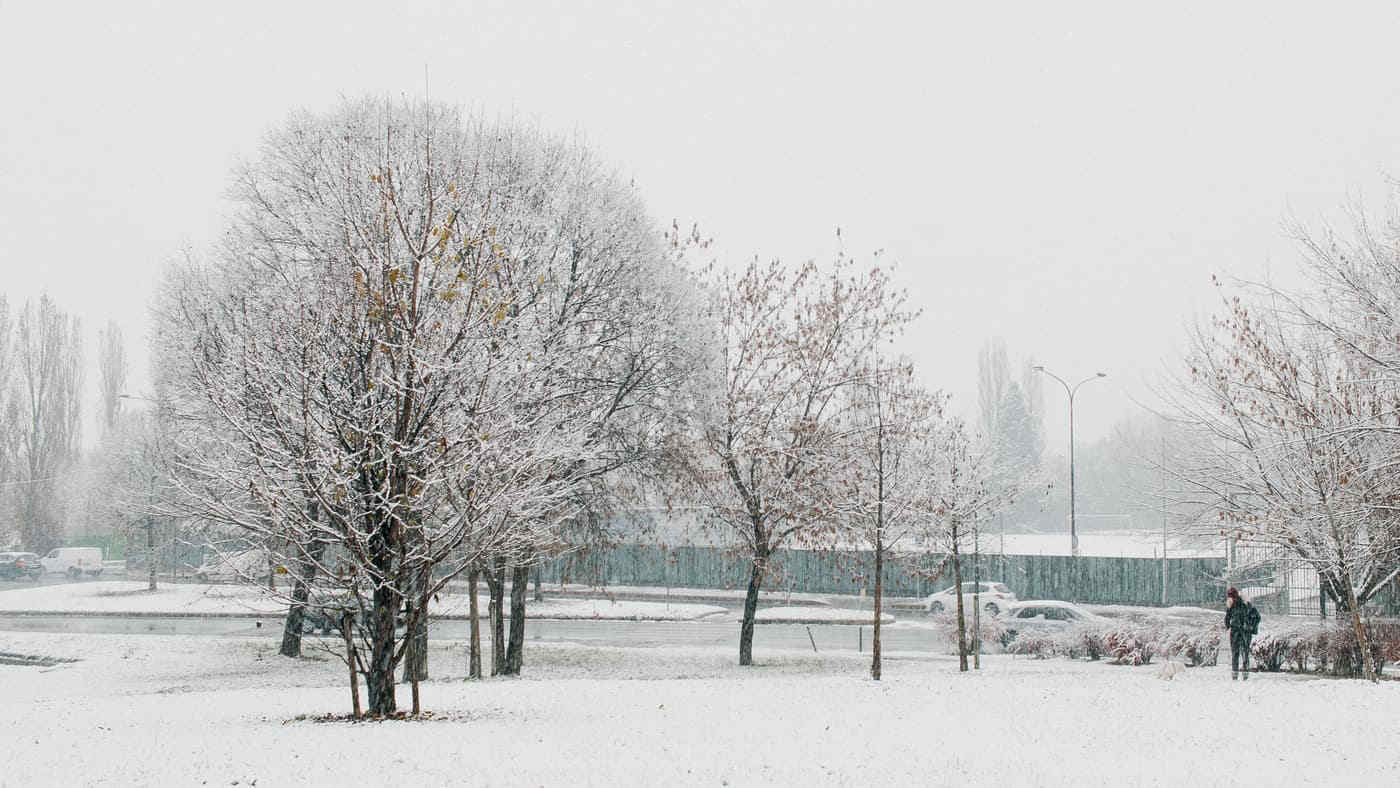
(150, 519)
(1070, 390)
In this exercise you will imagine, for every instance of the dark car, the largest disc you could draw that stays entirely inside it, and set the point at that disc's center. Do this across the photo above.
(20, 566)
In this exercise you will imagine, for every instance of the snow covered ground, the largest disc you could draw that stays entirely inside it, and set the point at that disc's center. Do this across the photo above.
(195, 599)
(189, 710)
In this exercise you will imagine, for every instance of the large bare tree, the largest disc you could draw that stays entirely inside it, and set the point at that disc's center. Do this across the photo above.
(390, 370)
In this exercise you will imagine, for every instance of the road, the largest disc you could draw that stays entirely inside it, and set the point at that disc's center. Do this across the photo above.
(636, 634)
(722, 631)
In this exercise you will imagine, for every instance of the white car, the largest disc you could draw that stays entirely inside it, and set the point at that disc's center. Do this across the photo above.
(995, 597)
(73, 561)
(1046, 617)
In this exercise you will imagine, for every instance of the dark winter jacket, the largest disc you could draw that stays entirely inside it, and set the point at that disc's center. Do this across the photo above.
(1241, 617)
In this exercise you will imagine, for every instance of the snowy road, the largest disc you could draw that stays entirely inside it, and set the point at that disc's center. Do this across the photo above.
(639, 634)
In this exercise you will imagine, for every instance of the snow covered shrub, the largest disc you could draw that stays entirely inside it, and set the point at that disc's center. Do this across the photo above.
(1387, 634)
(1196, 647)
(1129, 646)
(1339, 653)
(1269, 652)
(1300, 653)
(993, 634)
(1080, 643)
(1037, 646)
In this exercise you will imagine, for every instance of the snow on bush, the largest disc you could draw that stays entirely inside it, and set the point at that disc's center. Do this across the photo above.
(1195, 646)
(1081, 643)
(992, 630)
(1130, 646)
(1329, 648)
(1037, 646)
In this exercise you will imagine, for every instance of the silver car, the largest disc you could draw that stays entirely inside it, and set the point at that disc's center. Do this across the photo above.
(1046, 617)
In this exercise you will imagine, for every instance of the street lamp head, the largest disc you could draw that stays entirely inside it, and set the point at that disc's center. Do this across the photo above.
(1038, 368)
(1101, 374)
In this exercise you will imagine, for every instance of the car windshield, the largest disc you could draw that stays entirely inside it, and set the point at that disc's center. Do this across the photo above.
(1000, 589)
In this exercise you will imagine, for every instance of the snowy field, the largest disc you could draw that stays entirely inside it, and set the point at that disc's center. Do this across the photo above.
(189, 710)
(113, 597)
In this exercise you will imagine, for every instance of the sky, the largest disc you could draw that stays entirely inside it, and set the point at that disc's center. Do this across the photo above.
(1066, 176)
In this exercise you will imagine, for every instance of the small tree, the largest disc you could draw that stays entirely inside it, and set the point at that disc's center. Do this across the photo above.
(883, 495)
(764, 438)
(964, 486)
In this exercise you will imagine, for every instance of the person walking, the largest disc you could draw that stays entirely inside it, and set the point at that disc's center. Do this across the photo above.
(1242, 619)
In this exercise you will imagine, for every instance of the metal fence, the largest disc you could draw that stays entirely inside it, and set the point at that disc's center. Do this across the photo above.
(1277, 581)
(1129, 581)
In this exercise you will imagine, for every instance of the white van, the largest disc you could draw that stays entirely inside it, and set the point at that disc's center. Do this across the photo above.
(73, 561)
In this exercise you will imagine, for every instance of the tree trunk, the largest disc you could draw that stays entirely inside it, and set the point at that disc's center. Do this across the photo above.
(379, 678)
(415, 659)
(301, 592)
(760, 563)
(495, 581)
(539, 587)
(879, 593)
(515, 650)
(347, 626)
(1368, 669)
(474, 648)
(962, 621)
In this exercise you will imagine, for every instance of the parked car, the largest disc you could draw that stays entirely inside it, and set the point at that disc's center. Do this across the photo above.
(233, 566)
(1046, 617)
(73, 561)
(995, 598)
(20, 566)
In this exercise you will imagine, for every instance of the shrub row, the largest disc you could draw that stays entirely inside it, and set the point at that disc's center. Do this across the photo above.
(1127, 644)
(1331, 648)
(1327, 648)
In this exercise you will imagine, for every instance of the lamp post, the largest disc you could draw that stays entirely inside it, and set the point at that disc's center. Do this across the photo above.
(150, 519)
(1070, 390)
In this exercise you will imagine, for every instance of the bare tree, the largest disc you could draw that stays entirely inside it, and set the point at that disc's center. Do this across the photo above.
(763, 418)
(49, 366)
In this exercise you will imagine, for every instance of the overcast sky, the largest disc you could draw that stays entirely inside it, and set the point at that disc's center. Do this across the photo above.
(1064, 175)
